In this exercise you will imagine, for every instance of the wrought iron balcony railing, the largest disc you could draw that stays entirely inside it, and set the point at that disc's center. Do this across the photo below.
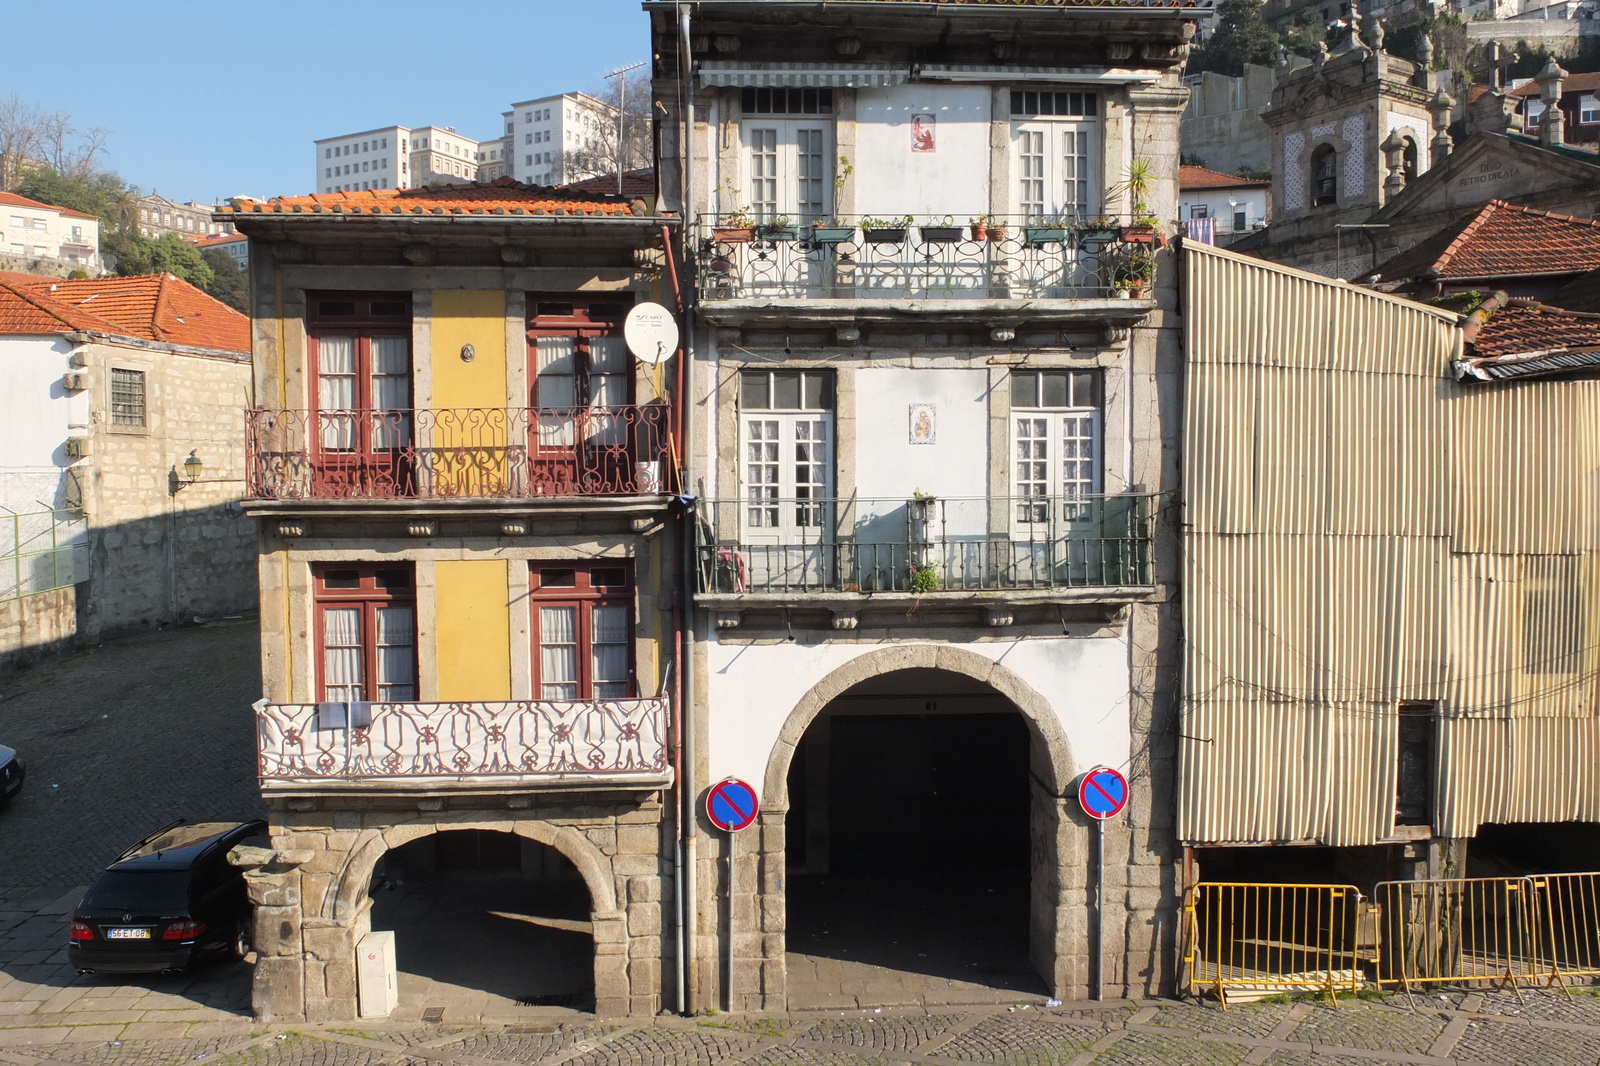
(359, 745)
(454, 453)
(924, 545)
(1004, 258)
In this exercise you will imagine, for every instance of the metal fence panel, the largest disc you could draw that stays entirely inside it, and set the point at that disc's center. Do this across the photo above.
(1263, 938)
(1568, 927)
(1459, 931)
(41, 551)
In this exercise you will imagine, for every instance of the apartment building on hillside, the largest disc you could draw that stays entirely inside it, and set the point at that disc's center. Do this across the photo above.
(559, 139)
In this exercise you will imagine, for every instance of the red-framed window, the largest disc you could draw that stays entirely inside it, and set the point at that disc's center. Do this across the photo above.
(582, 630)
(576, 354)
(366, 628)
(360, 349)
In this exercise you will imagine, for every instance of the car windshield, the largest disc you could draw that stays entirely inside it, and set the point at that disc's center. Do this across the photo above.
(143, 891)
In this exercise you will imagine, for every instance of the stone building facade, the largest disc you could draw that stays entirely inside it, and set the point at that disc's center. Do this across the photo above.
(935, 384)
(121, 402)
(467, 549)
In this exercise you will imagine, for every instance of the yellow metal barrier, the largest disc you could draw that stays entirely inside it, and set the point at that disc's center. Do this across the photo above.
(1459, 931)
(1263, 939)
(1568, 907)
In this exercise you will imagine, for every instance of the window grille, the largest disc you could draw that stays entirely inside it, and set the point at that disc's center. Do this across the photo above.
(127, 397)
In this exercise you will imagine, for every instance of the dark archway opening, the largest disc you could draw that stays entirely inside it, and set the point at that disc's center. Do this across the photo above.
(1516, 849)
(488, 920)
(908, 845)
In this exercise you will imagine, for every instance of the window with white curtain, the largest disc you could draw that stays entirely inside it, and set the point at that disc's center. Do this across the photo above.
(582, 374)
(367, 626)
(582, 630)
(361, 348)
(1055, 441)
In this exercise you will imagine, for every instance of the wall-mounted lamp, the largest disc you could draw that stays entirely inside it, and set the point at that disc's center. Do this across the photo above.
(192, 466)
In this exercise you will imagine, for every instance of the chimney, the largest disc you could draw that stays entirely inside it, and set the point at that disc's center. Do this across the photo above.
(1550, 121)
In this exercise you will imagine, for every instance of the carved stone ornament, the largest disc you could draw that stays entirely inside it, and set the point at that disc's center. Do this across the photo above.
(421, 529)
(291, 529)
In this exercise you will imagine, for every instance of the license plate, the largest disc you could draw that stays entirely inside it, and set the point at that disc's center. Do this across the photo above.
(127, 934)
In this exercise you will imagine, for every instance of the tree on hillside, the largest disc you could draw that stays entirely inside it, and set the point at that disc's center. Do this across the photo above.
(611, 153)
(97, 193)
(1242, 36)
(230, 284)
(133, 253)
(30, 136)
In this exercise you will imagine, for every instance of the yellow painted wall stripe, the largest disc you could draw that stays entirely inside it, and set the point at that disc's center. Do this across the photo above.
(472, 630)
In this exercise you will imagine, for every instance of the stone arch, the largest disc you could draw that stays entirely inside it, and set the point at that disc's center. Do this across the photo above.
(1058, 766)
(355, 878)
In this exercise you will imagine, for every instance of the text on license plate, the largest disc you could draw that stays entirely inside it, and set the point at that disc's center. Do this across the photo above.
(128, 934)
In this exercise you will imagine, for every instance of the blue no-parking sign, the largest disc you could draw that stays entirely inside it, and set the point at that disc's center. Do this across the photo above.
(732, 805)
(1103, 792)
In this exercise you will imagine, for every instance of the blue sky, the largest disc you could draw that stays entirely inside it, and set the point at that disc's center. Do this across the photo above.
(208, 100)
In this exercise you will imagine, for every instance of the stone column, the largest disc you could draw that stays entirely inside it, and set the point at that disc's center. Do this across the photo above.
(1551, 121)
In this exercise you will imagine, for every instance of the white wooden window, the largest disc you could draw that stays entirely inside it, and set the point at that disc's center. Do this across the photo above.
(786, 451)
(786, 169)
(1055, 137)
(1056, 441)
(1589, 109)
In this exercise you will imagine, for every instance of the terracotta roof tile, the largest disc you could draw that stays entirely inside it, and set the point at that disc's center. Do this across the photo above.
(641, 182)
(503, 196)
(155, 307)
(1191, 177)
(1508, 339)
(1572, 83)
(11, 199)
(1501, 240)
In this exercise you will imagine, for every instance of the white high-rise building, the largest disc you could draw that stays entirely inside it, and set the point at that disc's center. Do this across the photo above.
(549, 141)
(371, 159)
(557, 139)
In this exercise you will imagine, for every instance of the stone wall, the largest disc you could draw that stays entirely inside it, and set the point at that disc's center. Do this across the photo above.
(313, 907)
(33, 627)
(165, 550)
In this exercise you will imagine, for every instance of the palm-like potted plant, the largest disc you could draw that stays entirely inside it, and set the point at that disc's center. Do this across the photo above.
(1139, 184)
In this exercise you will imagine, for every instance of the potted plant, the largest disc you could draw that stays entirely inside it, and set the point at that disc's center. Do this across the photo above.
(1049, 230)
(1134, 273)
(831, 231)
(997, 231)
(946, 232)
(1139, 183)
(1098, 231)
(980, 227)
(779, 228)
(737, 228)
(885, 230)
(924, 578)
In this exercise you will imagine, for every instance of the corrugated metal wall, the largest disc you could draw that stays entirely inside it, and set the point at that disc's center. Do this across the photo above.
(1363, 531)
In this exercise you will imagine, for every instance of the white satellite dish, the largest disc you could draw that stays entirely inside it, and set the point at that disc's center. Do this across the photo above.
(651, 333)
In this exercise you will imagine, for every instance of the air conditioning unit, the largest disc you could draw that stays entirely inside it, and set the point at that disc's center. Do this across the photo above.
(78, 447)
(75, 381)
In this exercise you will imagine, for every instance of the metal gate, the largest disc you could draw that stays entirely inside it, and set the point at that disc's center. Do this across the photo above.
(1263, 938)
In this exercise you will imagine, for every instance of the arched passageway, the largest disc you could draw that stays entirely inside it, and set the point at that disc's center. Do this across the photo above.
(485, 920)
(919, 863)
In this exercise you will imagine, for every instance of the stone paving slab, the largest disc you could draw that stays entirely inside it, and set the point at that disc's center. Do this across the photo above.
(1015, 1041)
(902, 1033)
(1372, 1028)
(1147, 1048)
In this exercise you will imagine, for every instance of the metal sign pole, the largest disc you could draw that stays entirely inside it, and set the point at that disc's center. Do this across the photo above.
(1099, 907)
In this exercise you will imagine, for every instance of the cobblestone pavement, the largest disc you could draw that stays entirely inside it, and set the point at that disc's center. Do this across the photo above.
(1547, 1028)
(121, 739)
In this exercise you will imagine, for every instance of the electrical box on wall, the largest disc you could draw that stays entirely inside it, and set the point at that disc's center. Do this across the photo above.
(377, 983)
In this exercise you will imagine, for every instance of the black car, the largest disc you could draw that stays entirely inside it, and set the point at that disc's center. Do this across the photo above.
(11, 773)
(168, 902)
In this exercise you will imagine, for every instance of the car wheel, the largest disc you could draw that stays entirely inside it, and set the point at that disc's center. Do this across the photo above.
(240, 947)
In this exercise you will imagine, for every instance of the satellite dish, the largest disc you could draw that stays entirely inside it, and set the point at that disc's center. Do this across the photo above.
(651, 333)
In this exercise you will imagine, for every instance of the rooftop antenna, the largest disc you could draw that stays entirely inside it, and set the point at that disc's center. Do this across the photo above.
(622, 104)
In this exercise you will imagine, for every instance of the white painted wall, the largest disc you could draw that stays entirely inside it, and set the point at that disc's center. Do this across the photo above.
(36, 417)
(889, 466)
(1253, 200)
(755, 687)
(892, 180)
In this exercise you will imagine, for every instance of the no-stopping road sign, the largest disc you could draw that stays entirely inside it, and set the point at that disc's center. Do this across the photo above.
(732, 805)
(1103, 792)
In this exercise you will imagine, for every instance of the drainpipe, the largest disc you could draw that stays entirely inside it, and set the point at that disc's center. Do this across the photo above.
(688, 899)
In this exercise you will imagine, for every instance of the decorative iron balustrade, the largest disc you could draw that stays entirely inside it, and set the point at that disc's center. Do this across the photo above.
(1017, 258)
(924, 545)
(331, 742)
(452, 453)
